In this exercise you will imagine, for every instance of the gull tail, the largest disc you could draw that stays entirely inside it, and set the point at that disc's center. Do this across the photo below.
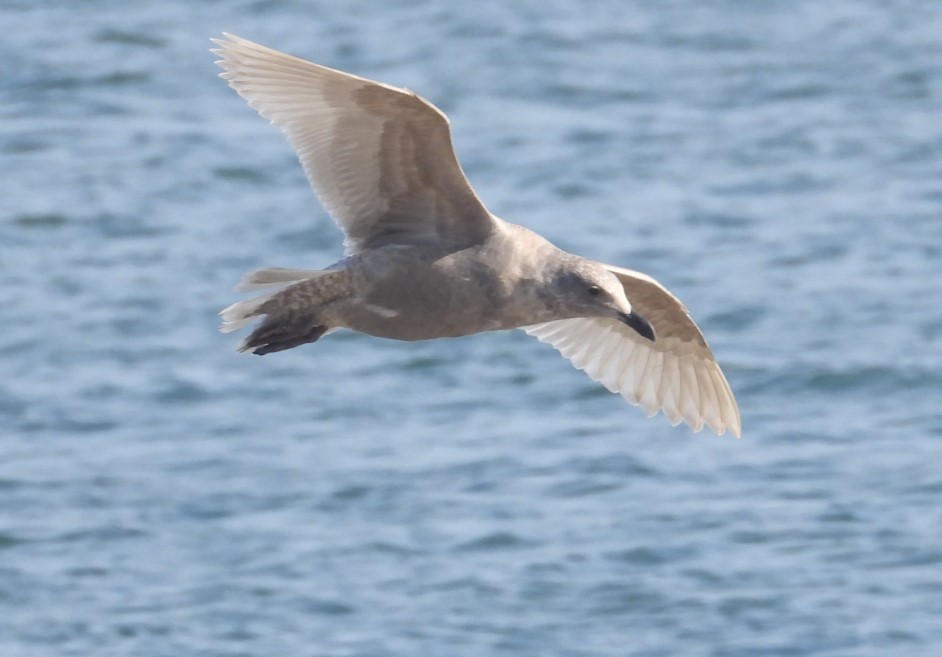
(272, 276)
(243, 312)
(291, 313)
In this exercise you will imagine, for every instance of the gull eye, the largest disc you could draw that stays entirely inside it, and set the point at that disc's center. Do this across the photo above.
(595, 290)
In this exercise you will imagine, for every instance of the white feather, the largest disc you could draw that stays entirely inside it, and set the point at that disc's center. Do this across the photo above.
(241, 313)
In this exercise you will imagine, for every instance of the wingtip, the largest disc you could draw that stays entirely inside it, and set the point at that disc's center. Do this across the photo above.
(717, 425)
(731, 413)
(224, 42)
(228, 40)
(734, 429)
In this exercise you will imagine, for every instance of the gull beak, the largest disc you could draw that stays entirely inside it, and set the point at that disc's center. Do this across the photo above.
(639, 324)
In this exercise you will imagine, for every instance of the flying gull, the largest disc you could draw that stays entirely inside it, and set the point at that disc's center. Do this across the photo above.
(425, 259)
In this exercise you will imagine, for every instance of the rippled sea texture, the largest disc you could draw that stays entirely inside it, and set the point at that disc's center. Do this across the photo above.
(777, 164)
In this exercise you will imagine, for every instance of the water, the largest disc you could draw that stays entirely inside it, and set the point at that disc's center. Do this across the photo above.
(778, 165)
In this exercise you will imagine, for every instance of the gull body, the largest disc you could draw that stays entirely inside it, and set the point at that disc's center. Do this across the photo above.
(426, 259)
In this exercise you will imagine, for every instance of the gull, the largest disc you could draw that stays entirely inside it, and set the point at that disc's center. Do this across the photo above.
(424, 258)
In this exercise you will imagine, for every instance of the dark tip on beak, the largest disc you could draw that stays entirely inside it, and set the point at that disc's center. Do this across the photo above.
(639, 324)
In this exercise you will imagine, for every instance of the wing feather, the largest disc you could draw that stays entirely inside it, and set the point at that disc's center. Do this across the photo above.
(379, 158)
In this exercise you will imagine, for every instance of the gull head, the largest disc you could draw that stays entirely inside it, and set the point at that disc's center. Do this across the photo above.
(585, 288)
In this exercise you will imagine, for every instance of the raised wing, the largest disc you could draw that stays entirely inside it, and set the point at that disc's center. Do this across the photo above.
(379, 158)
(676, 373)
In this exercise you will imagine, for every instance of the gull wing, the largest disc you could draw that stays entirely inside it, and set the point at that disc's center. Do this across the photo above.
(676, 373)
(380, 158)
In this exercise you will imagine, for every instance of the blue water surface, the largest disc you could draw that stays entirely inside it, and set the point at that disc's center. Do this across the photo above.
(778, 165)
